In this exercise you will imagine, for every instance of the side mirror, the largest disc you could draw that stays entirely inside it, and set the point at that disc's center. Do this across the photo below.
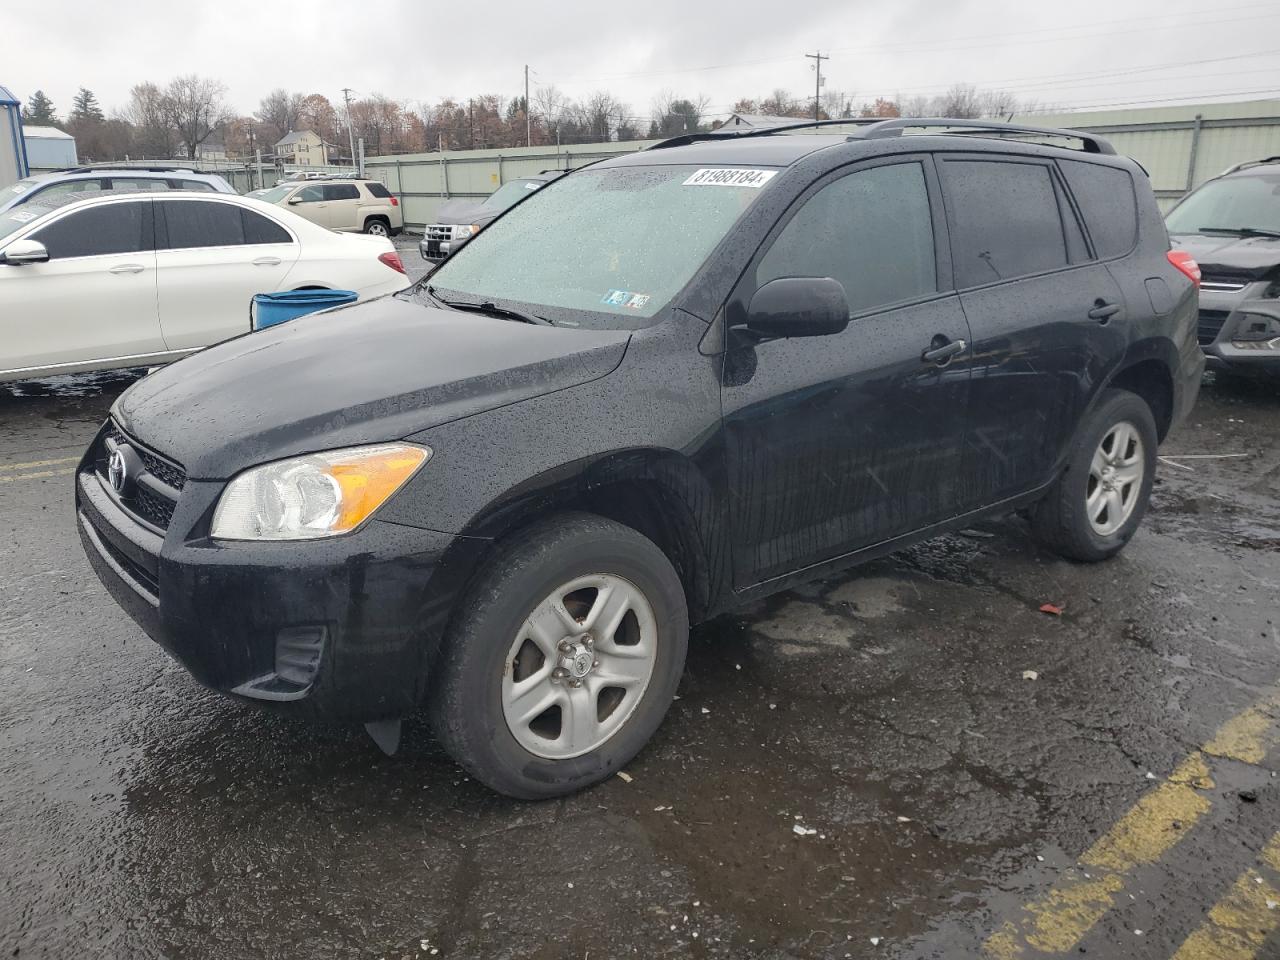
(798, 307)
(25, 251)
(295, 199)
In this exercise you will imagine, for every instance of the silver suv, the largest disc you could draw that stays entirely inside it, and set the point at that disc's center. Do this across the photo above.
(1231, 226)
(89, 180)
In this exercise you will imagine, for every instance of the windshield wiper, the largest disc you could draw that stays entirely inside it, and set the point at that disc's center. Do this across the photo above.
(1242, 231)
(490, 308)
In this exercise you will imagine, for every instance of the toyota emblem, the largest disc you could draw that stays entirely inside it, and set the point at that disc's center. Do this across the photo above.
(117, 470)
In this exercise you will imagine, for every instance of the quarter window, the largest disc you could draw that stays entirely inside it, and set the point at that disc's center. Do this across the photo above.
(1108, 203)
(378, 190)
(1005, 220)
(871, 230)
(111, 228)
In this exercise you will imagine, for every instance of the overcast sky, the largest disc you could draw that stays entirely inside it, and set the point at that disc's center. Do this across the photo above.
(1081, 54)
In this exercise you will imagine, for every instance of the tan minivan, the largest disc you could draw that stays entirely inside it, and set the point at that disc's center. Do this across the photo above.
(346, 205)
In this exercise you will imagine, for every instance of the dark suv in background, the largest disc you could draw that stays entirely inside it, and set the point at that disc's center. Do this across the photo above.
(664, 385)
(1231, 225)
(457, 221)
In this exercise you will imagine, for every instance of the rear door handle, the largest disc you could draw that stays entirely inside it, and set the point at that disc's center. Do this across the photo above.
(943, 350)
(128, 268)
(267, 262)
(1103, 311)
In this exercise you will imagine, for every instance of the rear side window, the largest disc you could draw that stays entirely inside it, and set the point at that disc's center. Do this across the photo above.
(1107, 201)
(197, 185)
(1005, 220)
(871, 230)
(341, 191)
(199, 223)
(378, 190)
(111, 228)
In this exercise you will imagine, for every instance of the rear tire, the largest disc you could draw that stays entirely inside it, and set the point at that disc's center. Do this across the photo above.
(562, 659)
(1100, 498)
(377, 228)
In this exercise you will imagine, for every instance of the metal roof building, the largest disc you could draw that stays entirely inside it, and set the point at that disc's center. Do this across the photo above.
(49, 148)
(1183, 146)
(13, 151)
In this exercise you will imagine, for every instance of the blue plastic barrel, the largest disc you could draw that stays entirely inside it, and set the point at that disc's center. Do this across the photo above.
(272, 308)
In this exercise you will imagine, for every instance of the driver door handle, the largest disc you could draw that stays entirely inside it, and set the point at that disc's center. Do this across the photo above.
(128, 268)
(267, 262)
(943, 350)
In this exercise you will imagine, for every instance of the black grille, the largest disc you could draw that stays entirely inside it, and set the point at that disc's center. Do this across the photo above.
(149, 498)
(1210, 325)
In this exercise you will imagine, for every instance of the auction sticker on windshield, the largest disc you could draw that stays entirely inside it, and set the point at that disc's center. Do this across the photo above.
(727, 177)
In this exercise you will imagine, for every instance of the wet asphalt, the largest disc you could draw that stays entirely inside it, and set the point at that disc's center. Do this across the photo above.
(888, 711)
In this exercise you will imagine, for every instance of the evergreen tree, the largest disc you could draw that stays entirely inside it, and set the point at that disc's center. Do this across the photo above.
(85, 106)
(39, 111)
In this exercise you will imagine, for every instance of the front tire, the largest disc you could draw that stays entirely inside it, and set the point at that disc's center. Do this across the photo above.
(563, 658)
(1096, 505)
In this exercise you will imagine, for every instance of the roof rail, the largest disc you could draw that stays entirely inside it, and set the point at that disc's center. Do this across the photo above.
(94, 167)
(895, 127)
(1248, 163)
(724, 133)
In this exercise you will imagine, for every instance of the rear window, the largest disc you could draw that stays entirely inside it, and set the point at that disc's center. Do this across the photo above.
(378, 190)
(1006, 220)
(1106, 198)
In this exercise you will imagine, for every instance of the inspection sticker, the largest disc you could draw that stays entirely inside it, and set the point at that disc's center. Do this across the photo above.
(728, 177)
(625, 298)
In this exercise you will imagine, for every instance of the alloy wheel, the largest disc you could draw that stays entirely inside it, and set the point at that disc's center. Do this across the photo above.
(1115, 478)
(579, 666)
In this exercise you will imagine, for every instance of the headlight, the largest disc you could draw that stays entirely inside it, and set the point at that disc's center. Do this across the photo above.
(319, 495)
(463, 231)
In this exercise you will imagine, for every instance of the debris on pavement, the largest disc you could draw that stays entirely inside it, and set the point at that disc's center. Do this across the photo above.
(800, 830)
(1051, 608)
(624, 776)
(1030, 675)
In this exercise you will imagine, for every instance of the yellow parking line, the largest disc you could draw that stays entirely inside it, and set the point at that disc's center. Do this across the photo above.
(1240, 922)
(37, 463)
(1056, 922)
(39, 475)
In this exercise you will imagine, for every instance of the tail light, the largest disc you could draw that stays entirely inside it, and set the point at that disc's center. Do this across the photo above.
(1186, 263)
(392, 260)
(395, 202)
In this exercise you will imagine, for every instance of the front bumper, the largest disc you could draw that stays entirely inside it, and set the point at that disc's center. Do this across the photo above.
(1226, 331)
(245, 618)
(434, 251)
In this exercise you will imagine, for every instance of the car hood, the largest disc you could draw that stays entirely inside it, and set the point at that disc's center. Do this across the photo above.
(1252, 257)
(367, 373)
(463, 211)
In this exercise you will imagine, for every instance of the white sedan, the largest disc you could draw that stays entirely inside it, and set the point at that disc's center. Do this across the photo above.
(146, 278)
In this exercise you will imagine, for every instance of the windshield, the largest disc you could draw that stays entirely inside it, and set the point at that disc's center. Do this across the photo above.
(606, 247)
(1233, 203)
(510, 193)
(11, 221)
(275, 194)
(22, 186)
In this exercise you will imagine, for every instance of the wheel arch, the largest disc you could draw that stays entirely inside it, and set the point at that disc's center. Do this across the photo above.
(660, 494)
(1147, 371)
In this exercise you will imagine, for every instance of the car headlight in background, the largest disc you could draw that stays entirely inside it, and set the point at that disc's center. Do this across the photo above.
(313, 496)
(1257, 331)
(464, 231)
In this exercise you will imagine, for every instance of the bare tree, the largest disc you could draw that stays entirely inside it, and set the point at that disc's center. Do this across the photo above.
(998, 104)
(960, 102)
(196, 109)
(148, 113)
(279, 112)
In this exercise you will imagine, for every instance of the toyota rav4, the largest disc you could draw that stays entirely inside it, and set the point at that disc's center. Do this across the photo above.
(665, 384)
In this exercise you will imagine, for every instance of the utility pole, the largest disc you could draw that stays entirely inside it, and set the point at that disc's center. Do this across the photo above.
(351, 137)
(817, 59)
(528, 123)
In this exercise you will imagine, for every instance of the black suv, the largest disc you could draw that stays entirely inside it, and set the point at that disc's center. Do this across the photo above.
(665, 384)
(1231, 226)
